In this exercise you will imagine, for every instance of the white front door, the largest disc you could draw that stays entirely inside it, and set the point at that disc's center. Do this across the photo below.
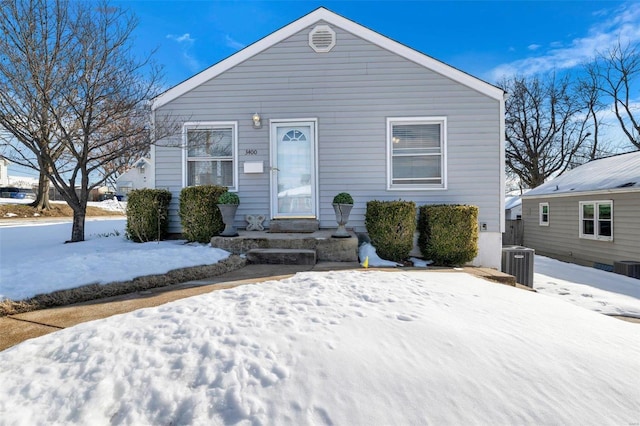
(293, 169)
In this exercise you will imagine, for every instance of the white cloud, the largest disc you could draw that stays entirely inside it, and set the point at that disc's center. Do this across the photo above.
(184, 38)
(186, 42)
(233, 43)
(533, 47)
(622, 25)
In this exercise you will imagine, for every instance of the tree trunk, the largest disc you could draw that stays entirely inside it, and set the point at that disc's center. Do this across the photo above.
(42, 197)
(77, 230)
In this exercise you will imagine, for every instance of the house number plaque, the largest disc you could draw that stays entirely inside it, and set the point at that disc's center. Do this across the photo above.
(250, 152)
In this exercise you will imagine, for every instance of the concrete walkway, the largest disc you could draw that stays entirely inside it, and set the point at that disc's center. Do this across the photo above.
(20, 327)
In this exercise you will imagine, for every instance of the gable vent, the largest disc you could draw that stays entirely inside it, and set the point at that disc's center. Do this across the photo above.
(322, 38)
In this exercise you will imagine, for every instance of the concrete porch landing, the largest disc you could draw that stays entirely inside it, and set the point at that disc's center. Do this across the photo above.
(327, 249)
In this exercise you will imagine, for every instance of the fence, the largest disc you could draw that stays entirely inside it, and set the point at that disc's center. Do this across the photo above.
(513, 233)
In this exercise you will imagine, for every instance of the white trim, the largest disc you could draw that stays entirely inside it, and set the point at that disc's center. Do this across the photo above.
(210, 125)
(273, 124)
(443, 152)
(501, 168)
(596, 217)
(322, 14)
(540, 221)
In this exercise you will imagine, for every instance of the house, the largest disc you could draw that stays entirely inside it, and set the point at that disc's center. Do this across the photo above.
(513, 207)
(323, 106)
(4, 176)
(140, 175)
(588, 215)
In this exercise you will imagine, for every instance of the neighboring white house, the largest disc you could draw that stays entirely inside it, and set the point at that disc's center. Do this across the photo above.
(513, 207)
(140, 175)
(325, 105)
(4, 176)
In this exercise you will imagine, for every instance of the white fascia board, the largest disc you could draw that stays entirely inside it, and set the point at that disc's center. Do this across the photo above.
(323, 14)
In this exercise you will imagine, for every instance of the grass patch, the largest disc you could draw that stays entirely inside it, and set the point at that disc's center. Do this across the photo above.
(21, 211)
(89, 292)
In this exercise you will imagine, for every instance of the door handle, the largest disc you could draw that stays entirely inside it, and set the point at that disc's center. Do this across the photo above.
(275, 169)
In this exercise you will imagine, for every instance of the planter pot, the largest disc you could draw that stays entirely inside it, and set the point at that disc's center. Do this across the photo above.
(228, 212)
(342, 217)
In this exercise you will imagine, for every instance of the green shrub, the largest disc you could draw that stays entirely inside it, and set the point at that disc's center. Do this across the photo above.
(390, 225)
(148, 214)
(448, 234)
(199, 214)
(229, 198)
(343, 198)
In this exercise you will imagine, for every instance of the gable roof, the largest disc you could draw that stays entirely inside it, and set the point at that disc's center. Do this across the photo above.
(511, 202)
(322, 14)
(619, 172)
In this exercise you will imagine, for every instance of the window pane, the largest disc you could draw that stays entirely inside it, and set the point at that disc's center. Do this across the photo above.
(210, 173)
(545, 217)
(416, 139)
(210, 142)
(604, 228)
(545, 209)
(604, 211)
(587, 211)
(416, 167)
(588, 227)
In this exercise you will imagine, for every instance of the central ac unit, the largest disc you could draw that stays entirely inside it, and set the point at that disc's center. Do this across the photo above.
(630, 268)
(518, 261)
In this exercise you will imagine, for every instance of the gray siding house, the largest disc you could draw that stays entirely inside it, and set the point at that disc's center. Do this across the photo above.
(325, 105)
(589, 215)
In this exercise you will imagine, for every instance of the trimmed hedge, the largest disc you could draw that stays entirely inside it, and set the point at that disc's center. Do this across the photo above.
(199, 214)
(147, 214)
(391, 225)
(448, 233)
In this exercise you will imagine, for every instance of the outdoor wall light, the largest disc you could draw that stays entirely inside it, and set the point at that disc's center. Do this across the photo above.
(257, 123)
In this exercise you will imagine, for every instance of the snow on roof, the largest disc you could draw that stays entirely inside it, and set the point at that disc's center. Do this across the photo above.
(616, 172)
(512, 202)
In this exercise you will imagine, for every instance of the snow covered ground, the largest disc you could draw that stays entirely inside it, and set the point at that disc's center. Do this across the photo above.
(34, 260)
(349, 347)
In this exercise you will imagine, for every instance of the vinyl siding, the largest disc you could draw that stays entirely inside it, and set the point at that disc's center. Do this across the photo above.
(350, 91)
(561, 238)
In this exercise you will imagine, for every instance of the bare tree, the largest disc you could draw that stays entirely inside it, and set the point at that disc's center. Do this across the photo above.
(615, 72)
(545, 127)
(73, 94)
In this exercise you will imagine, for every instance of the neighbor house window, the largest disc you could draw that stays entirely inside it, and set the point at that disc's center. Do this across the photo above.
(544, 214)
(416, 156)
(211, 153)
(596, 220)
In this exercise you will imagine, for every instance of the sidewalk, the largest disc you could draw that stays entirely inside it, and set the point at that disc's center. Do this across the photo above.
(20, 327)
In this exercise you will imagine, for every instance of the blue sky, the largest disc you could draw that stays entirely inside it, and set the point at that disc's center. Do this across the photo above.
(487, 39)
(484, 38)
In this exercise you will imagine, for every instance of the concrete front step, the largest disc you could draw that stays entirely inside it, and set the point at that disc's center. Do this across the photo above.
(276, 256)
(277, 226)
(327, 249)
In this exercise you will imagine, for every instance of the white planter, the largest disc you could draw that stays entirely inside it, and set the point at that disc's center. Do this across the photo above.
(342, 217)
(228, 212)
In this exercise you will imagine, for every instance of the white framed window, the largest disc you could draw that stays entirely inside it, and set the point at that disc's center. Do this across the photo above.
(544, 214)
(596, 220)
(211, 152)
(416, 153)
